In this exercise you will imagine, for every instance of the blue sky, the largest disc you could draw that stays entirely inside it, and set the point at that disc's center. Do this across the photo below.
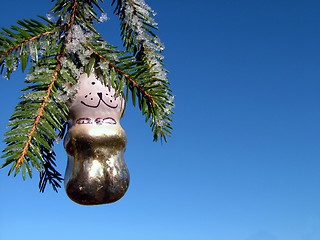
(243, 162)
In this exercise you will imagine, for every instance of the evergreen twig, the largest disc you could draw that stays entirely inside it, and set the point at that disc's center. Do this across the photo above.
(37, 120)
(58, 52)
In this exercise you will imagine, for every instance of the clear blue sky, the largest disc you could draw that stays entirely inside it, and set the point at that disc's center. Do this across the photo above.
(243, 162)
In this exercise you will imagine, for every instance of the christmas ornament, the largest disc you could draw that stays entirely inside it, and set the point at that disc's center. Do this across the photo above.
(96, 172)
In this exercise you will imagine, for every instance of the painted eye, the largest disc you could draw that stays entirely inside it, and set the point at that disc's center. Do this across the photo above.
(107, 94)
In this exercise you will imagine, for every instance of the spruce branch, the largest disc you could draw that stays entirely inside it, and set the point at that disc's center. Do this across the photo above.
(74, 8)
(39, 116)
(59, 52)
(24, 42)
(31, 134)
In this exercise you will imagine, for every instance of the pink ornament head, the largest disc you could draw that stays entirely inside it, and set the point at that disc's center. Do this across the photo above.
(94, 101)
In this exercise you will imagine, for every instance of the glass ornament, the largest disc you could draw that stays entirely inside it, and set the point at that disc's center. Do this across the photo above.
(95, 143)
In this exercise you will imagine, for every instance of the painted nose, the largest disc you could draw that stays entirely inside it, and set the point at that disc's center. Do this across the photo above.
(100, 95)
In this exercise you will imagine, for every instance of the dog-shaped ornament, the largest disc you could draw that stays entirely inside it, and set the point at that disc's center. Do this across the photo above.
(95, 143)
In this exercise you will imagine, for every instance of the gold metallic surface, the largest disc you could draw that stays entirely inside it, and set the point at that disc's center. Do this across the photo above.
(96, 171)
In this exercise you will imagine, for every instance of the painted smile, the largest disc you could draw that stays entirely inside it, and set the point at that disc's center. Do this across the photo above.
(100, 100)
(95, 106)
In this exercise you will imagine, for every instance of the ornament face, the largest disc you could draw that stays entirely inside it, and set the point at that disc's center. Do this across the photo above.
(96, 172)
